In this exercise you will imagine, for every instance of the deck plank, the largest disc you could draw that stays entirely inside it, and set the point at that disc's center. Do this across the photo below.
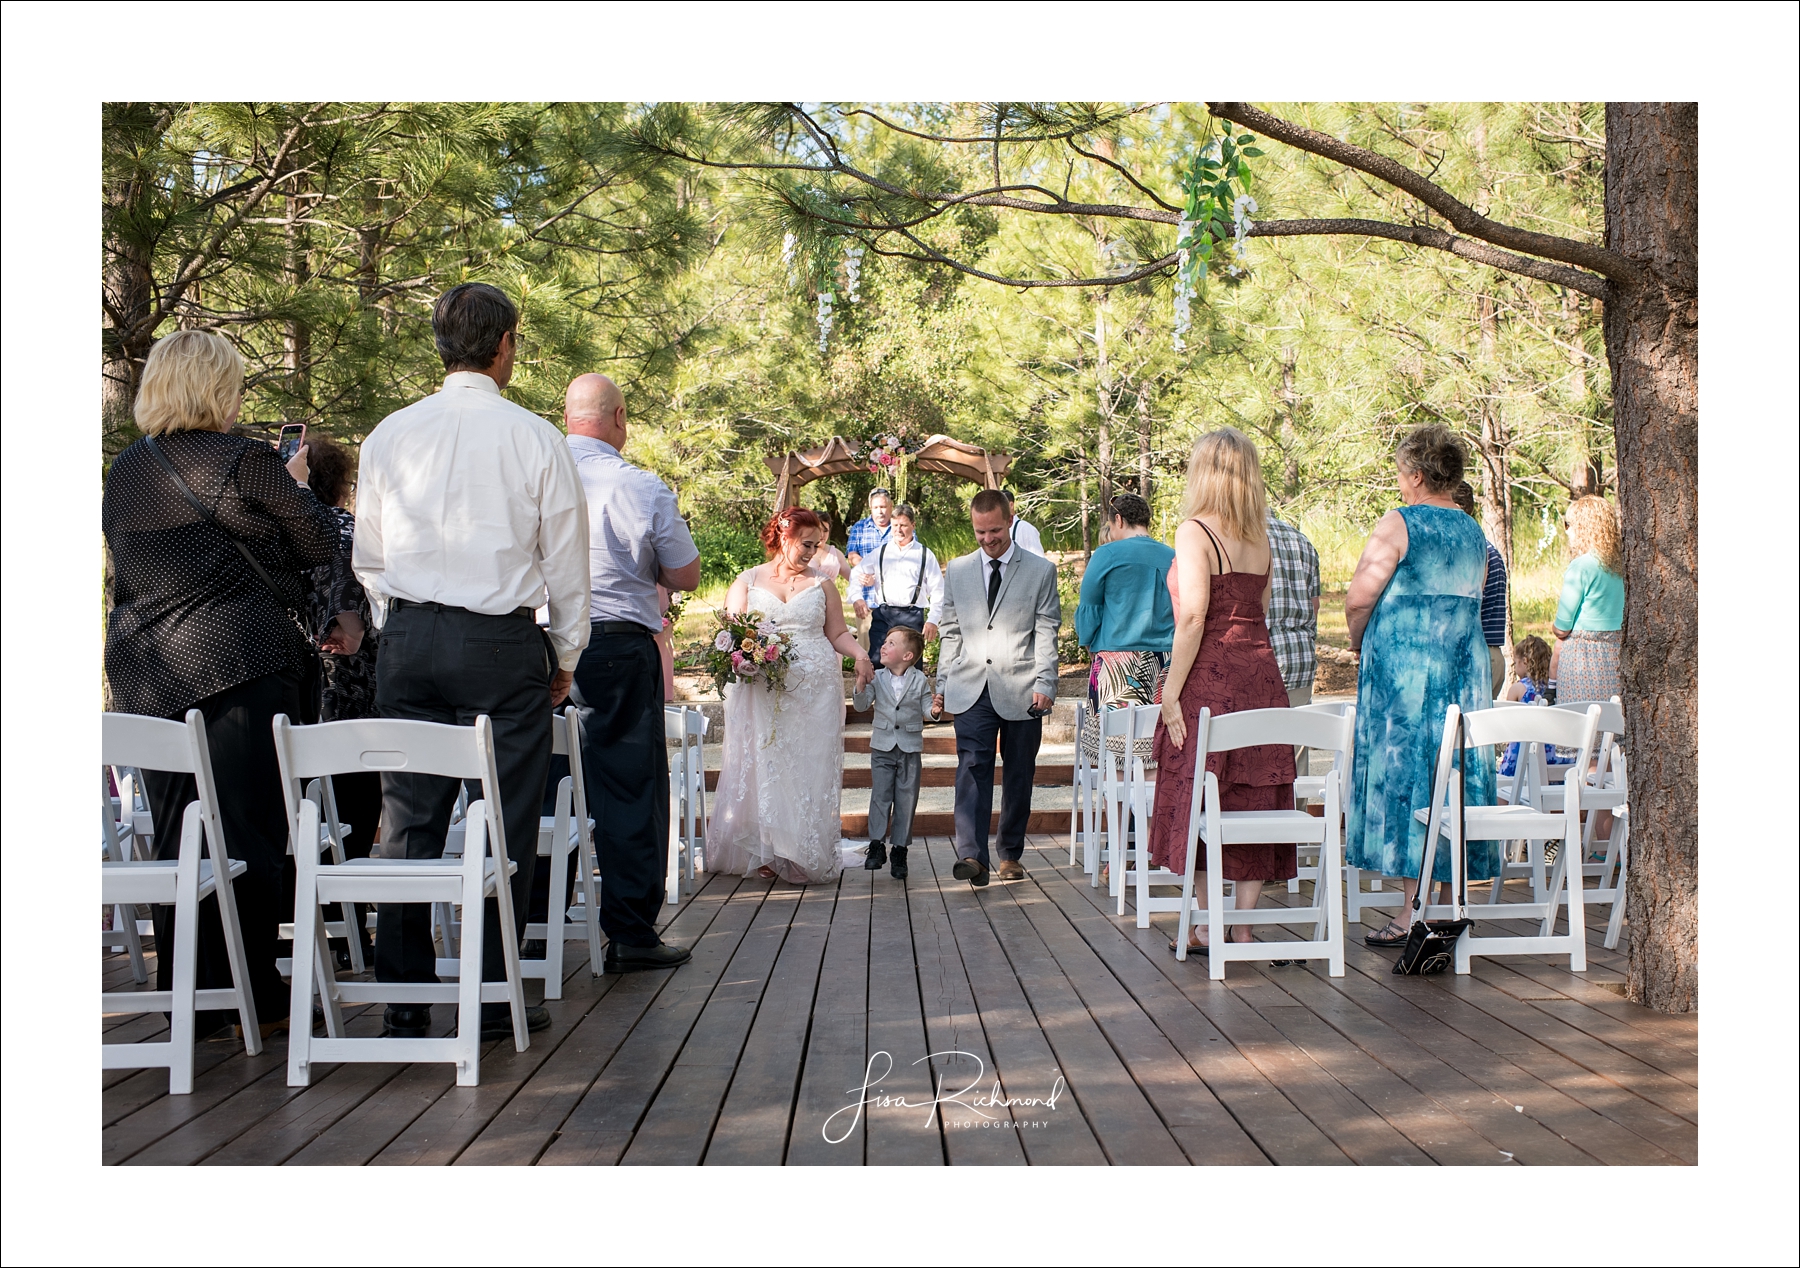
(1124, 1121)
(753, 1124)
(837, 1044)
(741, 1056)
(676, 1128)
(953, 1025)
(1202, 1127)
(600, 1126)
(519, 1106)
(1024, 1062)
(898, 1136)
(1280, 1132)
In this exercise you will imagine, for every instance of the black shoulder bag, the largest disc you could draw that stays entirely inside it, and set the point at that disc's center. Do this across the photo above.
(1431, 944)
(311, 671)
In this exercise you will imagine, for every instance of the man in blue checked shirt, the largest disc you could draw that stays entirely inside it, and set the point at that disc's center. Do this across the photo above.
(865, 537)
(1493, 597)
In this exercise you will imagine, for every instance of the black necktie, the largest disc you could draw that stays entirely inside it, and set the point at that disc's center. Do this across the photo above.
(993, 583)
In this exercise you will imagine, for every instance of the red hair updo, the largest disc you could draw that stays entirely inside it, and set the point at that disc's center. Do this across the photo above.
(786, 524)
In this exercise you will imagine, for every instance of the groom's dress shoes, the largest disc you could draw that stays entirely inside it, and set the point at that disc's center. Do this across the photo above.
(971, 870)
(899, 868)
(877, 856)
(1011, 870)
(623, 959)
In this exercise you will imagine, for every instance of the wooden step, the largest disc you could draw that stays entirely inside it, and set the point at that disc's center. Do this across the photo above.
(942, 823)
(1050, 776)
(937, 741)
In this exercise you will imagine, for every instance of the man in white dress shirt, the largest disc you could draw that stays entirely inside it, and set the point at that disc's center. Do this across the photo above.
(469, 515)
(1023, 533)
(636, 541)
(891, 579)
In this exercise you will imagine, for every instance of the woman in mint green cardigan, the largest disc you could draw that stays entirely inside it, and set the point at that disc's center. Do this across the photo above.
(1125, 615)
(1585, 662)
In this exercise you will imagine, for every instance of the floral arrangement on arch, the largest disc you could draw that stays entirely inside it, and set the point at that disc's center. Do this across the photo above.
(885, 455)
(748, 648)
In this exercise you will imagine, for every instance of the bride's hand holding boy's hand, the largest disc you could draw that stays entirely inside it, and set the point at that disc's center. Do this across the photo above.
(865, 672)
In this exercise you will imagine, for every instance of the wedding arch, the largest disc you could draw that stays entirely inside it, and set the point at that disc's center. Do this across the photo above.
(793, 471)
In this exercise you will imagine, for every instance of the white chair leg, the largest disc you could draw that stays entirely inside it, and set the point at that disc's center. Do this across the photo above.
(1331, 871)
(300, 994)
(468, 985)
(1217, 930)
(240, 963)
(181, 1002)
(1622, 847)
(554, 920)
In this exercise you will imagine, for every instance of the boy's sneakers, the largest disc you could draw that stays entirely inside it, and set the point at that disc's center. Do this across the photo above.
(899, 868)
(877, 856)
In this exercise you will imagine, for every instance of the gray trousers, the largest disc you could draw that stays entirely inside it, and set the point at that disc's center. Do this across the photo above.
(893, 795)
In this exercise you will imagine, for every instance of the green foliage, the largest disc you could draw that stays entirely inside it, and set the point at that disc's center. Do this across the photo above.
(725, 551)
(670, 276)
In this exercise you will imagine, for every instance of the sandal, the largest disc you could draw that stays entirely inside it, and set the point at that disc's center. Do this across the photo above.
(1194, 948)
(1394, 934)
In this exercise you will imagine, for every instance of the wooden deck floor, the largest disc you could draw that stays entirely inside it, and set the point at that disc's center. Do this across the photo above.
(1033, 992)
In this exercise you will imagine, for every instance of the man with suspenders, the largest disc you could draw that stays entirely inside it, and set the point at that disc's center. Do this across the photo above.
(900, 566)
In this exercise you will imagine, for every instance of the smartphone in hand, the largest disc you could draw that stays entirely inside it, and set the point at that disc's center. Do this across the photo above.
(293, 436)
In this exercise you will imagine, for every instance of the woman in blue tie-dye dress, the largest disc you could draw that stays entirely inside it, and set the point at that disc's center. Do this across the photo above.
(1414, 612)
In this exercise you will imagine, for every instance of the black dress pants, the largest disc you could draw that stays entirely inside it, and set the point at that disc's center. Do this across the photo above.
(451, 665)
(625, 761)
(977, 728)
(241, 740)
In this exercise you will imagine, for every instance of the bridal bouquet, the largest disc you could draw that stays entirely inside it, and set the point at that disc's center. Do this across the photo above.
(748, 648)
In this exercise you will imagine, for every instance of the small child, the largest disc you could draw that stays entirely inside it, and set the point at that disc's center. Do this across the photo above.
(1531, 661)
(900, 697)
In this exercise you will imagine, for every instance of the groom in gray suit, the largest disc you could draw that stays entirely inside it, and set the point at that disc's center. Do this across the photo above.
(997, 674)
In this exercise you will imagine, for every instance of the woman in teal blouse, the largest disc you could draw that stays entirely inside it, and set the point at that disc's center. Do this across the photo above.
(1125, 615)
(1585, 663)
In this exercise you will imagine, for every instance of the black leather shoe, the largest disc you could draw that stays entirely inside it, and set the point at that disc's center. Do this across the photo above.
(899, 868)
(499, 1026)
(877, 856)
(406, 1021)
(970, 870)
(533, 950)
(623, 959)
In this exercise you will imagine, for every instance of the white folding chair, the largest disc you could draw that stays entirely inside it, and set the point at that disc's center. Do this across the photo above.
(1084, 809)
(687, 795)
(1446, 816)
(116, 846)
(1211, 828)
(180, 748)
(568, 831)
(482, 871)
(1127, 792)
(1619, 851)
(1311, 787)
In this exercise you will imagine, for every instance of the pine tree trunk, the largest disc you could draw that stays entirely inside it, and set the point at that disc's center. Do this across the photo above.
(1290, 459)
(1652, 344)
(1103, 402)
(1144, 445)
(1081, 467)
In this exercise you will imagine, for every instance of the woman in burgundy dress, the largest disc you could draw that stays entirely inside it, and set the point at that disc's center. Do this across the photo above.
(1222, 661)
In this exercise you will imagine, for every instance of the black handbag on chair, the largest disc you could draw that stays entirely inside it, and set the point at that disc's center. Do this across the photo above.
(1431, 944)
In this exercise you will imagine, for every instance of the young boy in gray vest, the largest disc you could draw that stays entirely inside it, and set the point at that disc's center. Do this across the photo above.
(900, 697)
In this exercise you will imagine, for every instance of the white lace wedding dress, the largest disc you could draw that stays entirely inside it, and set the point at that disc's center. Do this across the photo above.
(777, 801)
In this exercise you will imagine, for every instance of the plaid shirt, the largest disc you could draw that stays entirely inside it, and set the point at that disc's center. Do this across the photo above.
(1493, 600)
(864, 537)
(1293, 625)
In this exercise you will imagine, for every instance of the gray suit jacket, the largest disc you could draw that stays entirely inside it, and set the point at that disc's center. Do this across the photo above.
(897, 725)
(1010, 651)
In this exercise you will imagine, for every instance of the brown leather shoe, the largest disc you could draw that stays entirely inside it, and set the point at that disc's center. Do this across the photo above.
(970, 870)
(1010, 870)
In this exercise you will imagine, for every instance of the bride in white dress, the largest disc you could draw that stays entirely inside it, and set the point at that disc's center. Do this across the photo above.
(776, 812)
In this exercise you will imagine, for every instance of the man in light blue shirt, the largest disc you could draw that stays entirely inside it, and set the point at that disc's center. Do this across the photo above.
(636, 539)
